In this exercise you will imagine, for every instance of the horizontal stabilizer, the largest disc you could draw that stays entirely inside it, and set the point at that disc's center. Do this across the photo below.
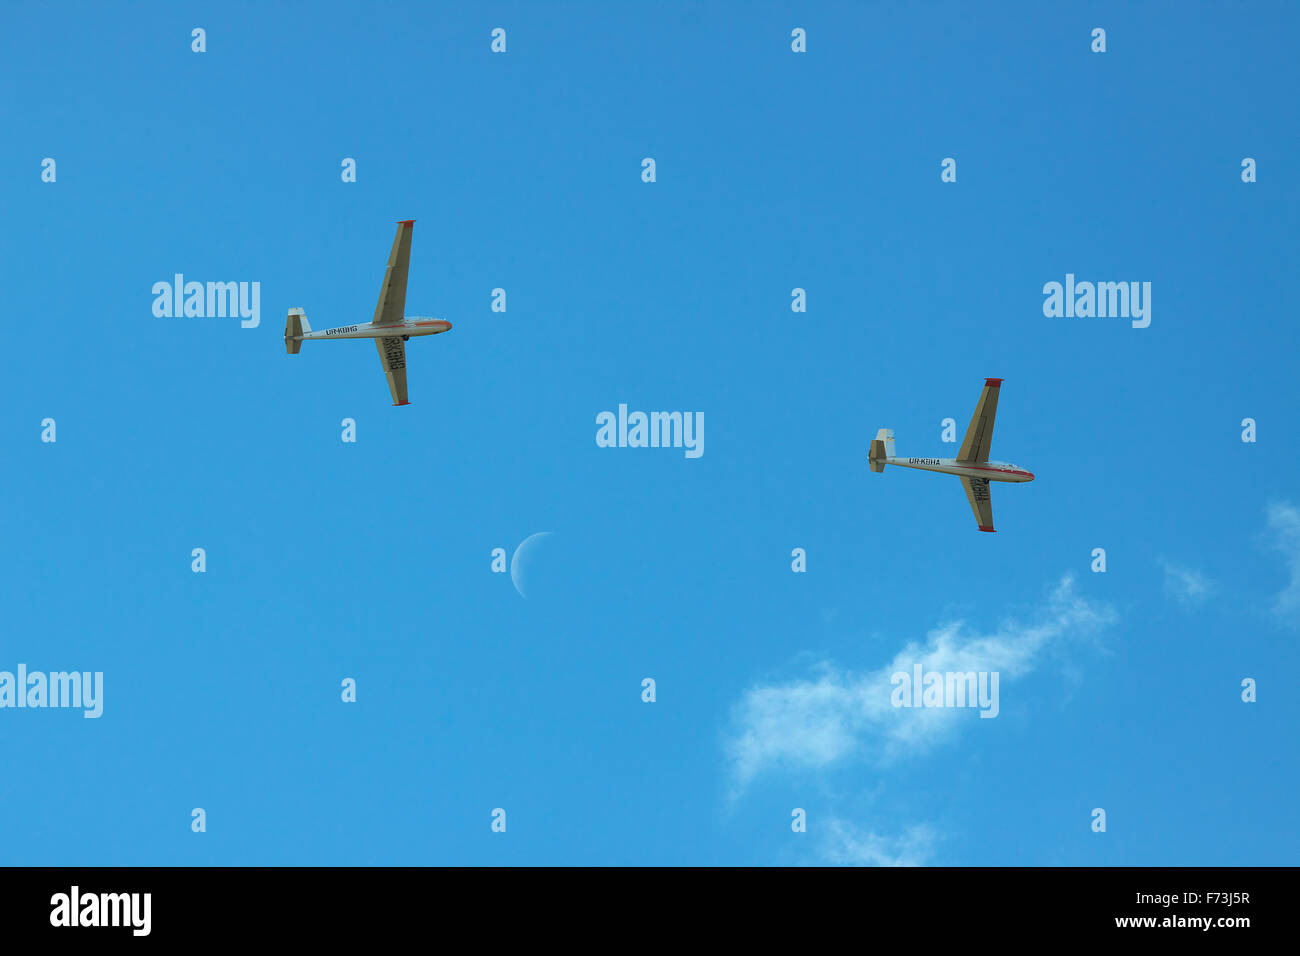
(882, 447)
(295, 326)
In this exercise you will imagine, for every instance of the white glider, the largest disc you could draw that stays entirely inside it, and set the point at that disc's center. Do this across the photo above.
(972, 463)
(389, 328)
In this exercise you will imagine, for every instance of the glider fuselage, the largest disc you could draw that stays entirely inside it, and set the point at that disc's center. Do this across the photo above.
(411, 325)
(990, 470)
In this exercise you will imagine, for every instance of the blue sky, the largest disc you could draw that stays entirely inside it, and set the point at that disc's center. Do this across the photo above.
(775, 170)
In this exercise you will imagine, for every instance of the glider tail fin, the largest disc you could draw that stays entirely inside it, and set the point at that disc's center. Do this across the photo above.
(882, 447)
(294, 328)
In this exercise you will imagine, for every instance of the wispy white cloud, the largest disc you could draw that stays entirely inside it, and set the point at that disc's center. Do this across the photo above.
(836, 715)
(847, 845)
(1190, 588)
(1284, 529)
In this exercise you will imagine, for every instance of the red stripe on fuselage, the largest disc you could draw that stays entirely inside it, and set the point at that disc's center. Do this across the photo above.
(1000, 471)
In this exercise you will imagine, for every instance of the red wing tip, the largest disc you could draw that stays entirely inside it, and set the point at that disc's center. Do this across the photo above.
(983, 528)
(395, 404)
(993, 381)
(408, 223)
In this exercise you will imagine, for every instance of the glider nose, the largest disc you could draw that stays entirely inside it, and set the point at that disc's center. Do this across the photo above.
(1031, 476)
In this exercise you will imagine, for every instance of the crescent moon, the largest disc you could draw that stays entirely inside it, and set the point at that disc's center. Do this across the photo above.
(517, 567)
